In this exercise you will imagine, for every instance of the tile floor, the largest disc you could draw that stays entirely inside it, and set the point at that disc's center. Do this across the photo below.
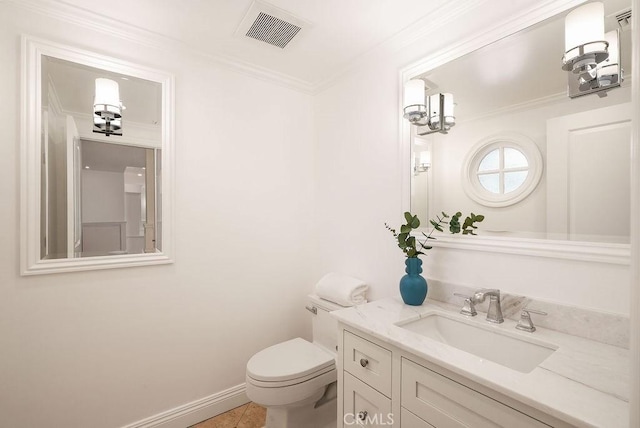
(250, 415)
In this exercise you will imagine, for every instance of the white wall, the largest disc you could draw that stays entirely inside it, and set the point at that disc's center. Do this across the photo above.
(360, 181)
(108, 348)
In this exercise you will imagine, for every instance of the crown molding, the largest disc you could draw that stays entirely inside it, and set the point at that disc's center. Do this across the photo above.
(91, 20)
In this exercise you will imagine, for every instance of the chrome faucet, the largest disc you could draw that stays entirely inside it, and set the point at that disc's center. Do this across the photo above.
(494, 314)
(525, 322)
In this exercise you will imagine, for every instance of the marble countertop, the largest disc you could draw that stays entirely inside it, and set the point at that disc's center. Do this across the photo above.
(584, 382)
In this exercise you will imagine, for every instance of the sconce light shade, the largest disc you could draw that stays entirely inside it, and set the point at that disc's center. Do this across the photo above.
(107, 108)
(414, 101)
(449, 117)
(414, 92)
(585, 45)
(609, 69)
(584, 26)
(107, 98)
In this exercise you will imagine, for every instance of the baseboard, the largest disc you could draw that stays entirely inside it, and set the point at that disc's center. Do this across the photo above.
(196, 411)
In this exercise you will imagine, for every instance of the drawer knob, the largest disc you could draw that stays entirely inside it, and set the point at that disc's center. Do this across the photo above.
(362, 415)
(363, 363)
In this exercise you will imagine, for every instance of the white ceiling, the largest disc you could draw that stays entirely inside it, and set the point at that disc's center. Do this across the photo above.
(340, 30)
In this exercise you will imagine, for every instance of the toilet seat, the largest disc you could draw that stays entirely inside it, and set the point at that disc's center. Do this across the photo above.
(289, 363)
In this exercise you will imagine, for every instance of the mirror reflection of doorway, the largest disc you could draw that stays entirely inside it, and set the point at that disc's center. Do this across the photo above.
(107, 200)
(115, 191)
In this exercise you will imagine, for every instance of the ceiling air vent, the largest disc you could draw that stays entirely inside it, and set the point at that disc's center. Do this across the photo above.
(269, 24)
(272, 30)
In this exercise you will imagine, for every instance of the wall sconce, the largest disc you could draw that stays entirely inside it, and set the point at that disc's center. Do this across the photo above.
(609, 71)
(107, 108)
(423, 163)
(435, 111)
(592, 56)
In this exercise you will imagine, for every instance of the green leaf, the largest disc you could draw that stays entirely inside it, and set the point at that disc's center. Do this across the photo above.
(410, 244)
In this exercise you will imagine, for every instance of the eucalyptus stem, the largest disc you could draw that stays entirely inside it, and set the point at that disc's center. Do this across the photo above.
(411, 247)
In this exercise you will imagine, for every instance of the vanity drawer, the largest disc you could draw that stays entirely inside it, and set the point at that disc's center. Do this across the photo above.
(364, 406)
(449, 404)
(409, 420)
(368, 362)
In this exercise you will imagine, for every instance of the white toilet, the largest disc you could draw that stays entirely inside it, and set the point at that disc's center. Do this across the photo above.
(296, 380)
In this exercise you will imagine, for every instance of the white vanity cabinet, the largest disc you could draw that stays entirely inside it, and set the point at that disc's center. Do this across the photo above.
(383, 386)
(444, 402)
(366, 382)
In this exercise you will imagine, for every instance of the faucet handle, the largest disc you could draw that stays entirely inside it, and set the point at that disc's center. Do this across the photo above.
(525, 323)
(469, 307)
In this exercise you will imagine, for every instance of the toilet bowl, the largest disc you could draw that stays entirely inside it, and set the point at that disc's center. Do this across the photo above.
(296, 380)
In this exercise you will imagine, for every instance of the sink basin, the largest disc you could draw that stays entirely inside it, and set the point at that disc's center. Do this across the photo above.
(484, 342)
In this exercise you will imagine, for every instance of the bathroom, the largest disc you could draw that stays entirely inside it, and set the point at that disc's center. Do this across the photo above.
(276, 182)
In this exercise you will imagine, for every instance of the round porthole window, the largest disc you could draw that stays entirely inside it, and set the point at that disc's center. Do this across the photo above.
(502, 170)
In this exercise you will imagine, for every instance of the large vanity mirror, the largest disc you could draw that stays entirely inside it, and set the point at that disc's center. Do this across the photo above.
(96, 161)
(547, 170)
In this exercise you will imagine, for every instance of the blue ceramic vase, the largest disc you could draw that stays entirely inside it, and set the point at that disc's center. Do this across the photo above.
(413, 287)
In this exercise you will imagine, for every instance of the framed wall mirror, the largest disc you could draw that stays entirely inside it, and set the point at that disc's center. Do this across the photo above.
(97, 161)
(550, 172)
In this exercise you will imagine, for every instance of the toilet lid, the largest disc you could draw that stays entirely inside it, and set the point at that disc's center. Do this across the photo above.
(288, 360)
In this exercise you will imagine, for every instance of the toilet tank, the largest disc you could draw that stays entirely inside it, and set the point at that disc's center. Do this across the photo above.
(325, 327)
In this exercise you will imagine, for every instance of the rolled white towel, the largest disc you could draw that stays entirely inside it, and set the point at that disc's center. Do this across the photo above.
(342, 289)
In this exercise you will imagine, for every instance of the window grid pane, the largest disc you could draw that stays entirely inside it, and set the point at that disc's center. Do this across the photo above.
(514, 158)
(503, 170)
(490, 162)
(491, 182)
(513, 180)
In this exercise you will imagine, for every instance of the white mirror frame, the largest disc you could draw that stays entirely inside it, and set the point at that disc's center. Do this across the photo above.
(33, 50)
(560, 249)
